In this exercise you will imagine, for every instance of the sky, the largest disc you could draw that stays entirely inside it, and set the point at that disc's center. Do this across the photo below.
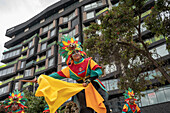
(15, 12)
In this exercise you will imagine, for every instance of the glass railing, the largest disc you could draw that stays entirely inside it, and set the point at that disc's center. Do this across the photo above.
(30, 38)
(8, 80)
(40, 69)
(144, 14)
(23, 57)
(27, 84)
(30, 63)
(42, 58)
(44, 39)
(19, 76)
(154, 39)
(24, 49)
(62, 30)
(102, 11)
(9, 64)
(13, 48)
(53, 43)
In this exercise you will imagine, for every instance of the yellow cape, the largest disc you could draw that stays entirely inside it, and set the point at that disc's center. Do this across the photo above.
(56, 92)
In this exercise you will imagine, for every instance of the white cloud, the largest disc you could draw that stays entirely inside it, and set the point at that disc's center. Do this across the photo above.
(14, 12)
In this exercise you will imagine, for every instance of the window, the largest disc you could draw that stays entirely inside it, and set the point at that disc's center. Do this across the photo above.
(45, 29)
(74, 22)
(49, 53)
(3, 90)
(72, 33)
(110, 69)
(27, 72)
(16, 86)
(51, 26)
(7, 71)
(31, 51)
(51, 62)
(161, 51)
(65, 19)
(43, 46)
(22, 64)
(11, 54)
(30, 44)
(53, 32)
(92, 5)
(90, 15)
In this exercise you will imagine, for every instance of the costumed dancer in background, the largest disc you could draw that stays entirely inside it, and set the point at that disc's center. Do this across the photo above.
(16, 101)
(130, 106)
(83, 70)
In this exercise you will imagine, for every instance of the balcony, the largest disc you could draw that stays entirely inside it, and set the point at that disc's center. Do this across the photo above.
(30, 63)
(22, 57)
(6, 81)
(44, 39)
(19, 76)
(24, 49)
(40, 69)
(25, 41)
(102, 11)
(9, 64)
(27, 84)
(53, 43)
(20, 45)
(42, 58)
(62, 30)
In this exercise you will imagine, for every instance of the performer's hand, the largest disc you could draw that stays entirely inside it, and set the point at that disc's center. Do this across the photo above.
(33, 80)
(85, 84)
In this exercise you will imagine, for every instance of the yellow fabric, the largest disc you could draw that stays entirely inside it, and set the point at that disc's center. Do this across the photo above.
(66, 72)
(125, 107)
(92, 63)
(94, 99)
(138, 109)
(56, 92)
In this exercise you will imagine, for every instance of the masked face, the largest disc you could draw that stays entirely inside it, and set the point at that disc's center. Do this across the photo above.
(132, 100)
(15, 107)
(76, 56)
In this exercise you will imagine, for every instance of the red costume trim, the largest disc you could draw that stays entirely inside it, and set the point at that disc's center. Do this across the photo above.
(61, 74)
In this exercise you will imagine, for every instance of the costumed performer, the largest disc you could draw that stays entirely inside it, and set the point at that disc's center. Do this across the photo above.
(16, 101)
(130, 106)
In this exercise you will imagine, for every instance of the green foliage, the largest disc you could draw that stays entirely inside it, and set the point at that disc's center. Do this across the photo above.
(118, 44)
(34, 104)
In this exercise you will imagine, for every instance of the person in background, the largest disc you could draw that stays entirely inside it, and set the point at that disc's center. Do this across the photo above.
(16, 102)
(130, 106)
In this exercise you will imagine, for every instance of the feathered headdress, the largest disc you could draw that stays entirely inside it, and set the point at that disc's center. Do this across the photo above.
(128, 94)
(16, 97)
(67, 46)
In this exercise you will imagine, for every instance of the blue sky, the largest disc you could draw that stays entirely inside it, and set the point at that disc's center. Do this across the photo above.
(14, 12)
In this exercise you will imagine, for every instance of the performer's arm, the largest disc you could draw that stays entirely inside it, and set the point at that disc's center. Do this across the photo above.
(64, 73)
(125, 109)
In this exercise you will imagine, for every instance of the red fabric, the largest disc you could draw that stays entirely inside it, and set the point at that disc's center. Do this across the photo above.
(81, 68)
(96, 66)
(132, 107)
(101, 83)
(61, 74)
(124, 110)
(139, 111)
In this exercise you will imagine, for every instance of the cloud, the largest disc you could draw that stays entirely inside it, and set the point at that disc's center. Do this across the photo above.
(14, 12)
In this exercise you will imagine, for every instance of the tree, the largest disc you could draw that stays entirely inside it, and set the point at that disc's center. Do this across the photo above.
(113, 41)
(34, 104)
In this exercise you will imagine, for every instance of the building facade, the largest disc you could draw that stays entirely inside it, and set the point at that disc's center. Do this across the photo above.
(33, 50)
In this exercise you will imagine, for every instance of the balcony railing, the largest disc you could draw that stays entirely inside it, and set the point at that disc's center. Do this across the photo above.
(30, 63)
(9, 64)
(23, 57)
(13, 48)
(8, 80)
(102, 11)
(53, 43)
(18, 77)
(62, 30)
(30, 38)
(40, 69)
(27, 84)
(42, 58)
(24, 49)
(44, 39)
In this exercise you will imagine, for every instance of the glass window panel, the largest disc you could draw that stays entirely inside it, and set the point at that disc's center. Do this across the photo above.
(160, 96)
(49, 53)
(51, 62)
(16, 86)
(51, 26)
(74, 22)
(93, 5)
(144, 100)
(167, 94)
(30, 44)
(53, 32)
(22, 64)
(65, 19)
(45, 29)
(162, 51)
(43, 46)
(152, 98)
(31, 51)
(90, 15)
